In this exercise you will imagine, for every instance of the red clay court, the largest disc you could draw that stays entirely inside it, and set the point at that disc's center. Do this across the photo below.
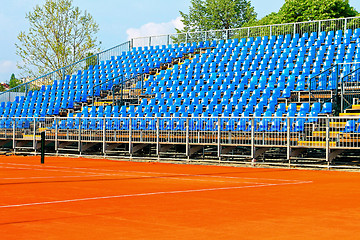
(77, 198)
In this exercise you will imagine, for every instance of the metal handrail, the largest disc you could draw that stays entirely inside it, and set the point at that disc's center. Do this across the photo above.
(66, 67)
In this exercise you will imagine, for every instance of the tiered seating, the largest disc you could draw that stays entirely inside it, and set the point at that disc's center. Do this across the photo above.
(75, 89)
(235, 78)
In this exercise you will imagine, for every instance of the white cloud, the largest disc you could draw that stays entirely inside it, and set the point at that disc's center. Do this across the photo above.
(153, 29)
(7, 66)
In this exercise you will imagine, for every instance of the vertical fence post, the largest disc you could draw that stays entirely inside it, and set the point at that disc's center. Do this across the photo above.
(187, 139)
(63, 73)
(310, 90)
(149, 41)
(288, 148)
(345, 25)
(342, 95)
(34, 135)
(104, 136)
(130, 137)
(43, 136)
(252, 139)
(294, 30)
(158, 137)
(219, 139)
(319, 30)
(248, 32)
(270, 31)
(79, 136)
(56, 135)
(327, 142)
(13, 140)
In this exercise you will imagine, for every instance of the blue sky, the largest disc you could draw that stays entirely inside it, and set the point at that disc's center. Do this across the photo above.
(118, 20)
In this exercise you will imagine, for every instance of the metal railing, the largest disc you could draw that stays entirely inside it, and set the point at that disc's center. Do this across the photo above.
(247, 32)
(338, 84)
(324, 87)
(314, 132)
(350, 87)
(61, 73)
(127, 88)
(277, 29)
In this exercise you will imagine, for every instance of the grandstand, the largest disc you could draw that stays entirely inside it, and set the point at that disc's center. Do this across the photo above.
(285, 97)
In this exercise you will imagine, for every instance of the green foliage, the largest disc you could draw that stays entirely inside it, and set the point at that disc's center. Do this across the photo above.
(14, 82)
(308, 10)
(217, 14)
(59, 35)
(2, 88)
(91, 60)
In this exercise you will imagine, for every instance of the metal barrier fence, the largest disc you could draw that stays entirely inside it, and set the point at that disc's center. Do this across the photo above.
(247, 32)
(316, 132)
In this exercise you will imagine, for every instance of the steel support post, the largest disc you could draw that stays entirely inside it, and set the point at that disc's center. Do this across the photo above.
(104, 136)
(327, 142)
(345, 24)
(34, 135)
(79, 136)
(252, 139)
(130, 137)
(187, 139)
(56, 135)
(288, 148)
(219, 139)
(294, 29)
(14, 142)
(158, 137)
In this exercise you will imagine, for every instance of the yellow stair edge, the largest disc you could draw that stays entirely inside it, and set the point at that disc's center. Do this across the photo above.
(337, 124)
(323, 133)
(349, 114)
(31, 136)
(315, 144)
(355, 106)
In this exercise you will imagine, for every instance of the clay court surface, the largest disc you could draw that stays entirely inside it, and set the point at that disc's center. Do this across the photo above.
(101, 199)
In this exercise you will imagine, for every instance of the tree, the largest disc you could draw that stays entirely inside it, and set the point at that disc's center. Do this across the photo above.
(217, 14)
(91, 60)
(308, 10)
(59, 34)
(14, 82)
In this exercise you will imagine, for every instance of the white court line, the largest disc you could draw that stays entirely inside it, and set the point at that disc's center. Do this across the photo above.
(121, 175)
(158, 173)
(145, 194)
(26, 178)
